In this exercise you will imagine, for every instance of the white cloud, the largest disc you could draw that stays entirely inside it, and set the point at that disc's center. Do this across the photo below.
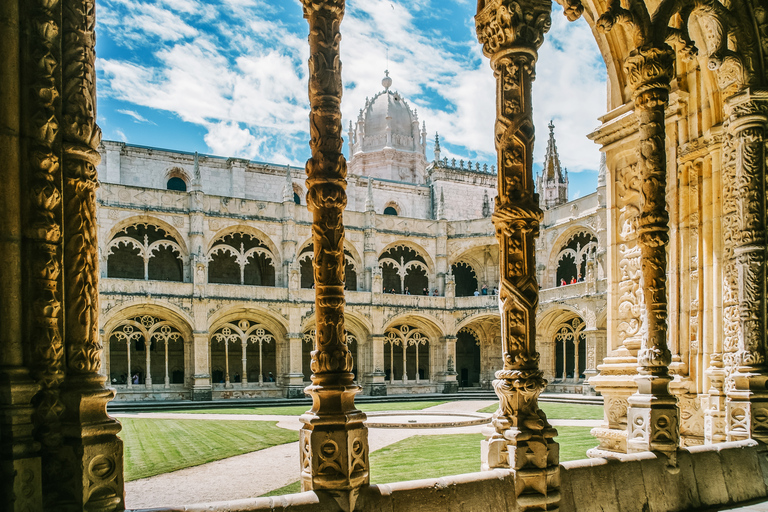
(238, 68)
(229, 139)
(121, 135)
(135, 115)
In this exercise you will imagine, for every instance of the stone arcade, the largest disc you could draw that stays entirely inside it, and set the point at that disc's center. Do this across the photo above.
(684, 258)
(206, 280)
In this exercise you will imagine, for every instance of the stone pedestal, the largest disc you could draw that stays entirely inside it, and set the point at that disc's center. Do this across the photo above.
(202, 389)
(616, 383)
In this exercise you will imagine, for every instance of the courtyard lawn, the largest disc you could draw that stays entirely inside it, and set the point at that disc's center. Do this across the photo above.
(559, 411)
(156, 446)
(453, 454)
(298, 410)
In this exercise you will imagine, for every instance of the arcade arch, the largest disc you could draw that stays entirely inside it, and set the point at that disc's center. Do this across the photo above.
(404, 270)
(251, 358)
(145, 345)
(408, 354)
(572, 259)
(144, 250)
(241, 258)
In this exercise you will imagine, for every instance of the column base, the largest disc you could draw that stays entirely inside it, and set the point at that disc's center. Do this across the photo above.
(616, 384)
(202, 390)
(375, 389)
(653, 416)
(451, 387)
(293, 391)
(747, 405)
(202, 394)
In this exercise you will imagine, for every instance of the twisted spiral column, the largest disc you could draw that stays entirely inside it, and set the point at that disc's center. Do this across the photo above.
(521, 438)
(653, 417)
(333, 440)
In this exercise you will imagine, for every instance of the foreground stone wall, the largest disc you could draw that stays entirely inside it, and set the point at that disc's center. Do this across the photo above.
(705, 476)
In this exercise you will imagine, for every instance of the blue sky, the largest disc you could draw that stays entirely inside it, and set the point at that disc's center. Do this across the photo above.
(228, 77)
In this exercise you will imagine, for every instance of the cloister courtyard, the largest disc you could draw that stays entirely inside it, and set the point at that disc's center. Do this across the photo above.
(182, 457)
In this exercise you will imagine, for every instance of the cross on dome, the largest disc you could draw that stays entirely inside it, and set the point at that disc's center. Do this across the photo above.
(386, 81)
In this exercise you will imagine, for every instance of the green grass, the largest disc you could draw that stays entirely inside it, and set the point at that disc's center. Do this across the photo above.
(558, 411)
(435, 456)
(297, 410)
(155, 446)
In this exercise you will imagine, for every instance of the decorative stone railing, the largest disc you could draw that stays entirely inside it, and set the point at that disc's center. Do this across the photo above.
(572, 291)
(140, 286)
(455, 165)
(304, 295)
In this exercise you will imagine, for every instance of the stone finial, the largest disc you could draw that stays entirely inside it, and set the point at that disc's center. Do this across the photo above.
(369, 198)
(437, 147)
(288, 187)
(197, 182)
(441, 206)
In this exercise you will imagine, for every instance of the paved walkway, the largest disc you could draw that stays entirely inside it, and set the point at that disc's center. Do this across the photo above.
(253, 474)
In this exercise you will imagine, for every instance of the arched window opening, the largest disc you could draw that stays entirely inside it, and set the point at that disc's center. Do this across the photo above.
(306, 268)
(131, 364)
(465, 278)
(570, 351)
(350, 274)
(165, 265)
(407, 358)
(468, 358)
(296, 198)
(243, 352)
(145, 251)
(404, 270)
(572, 258)
(241, 258)
(177, 184)
(308, 345)
(390, 210)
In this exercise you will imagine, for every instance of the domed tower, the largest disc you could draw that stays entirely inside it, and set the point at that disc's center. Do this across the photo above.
(552, 183)
(387, 142)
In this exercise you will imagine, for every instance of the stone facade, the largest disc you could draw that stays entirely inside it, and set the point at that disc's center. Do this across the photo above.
(684, 264)
(225, 252)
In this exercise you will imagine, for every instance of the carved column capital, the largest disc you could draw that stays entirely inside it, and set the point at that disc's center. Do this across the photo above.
(512, 25)
(650, 68)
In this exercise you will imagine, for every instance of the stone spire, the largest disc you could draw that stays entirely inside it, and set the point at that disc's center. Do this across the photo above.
(288, 187)
(369, 198)
(437, 147)
(552, 183)
(197, 182)
(441, 206)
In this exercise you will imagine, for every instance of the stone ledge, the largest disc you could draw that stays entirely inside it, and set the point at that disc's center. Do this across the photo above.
(704, 477)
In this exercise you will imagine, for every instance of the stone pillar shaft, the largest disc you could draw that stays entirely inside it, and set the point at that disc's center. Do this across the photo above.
(744, 302)
(20, 467)
(653, 417)
(521, 439)
(334, 439)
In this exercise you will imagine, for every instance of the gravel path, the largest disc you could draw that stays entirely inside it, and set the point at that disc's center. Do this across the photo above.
(253, 474)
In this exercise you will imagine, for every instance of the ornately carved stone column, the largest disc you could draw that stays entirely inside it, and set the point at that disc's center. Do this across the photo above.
(90, 435)
(20, 468)
(521, 438)
(653, 416)
(334, 440)
(744, 304)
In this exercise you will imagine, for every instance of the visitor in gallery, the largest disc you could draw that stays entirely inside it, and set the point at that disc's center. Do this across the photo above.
(485, 290)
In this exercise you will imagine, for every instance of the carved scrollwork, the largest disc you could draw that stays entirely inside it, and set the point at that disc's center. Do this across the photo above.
(502, 24)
